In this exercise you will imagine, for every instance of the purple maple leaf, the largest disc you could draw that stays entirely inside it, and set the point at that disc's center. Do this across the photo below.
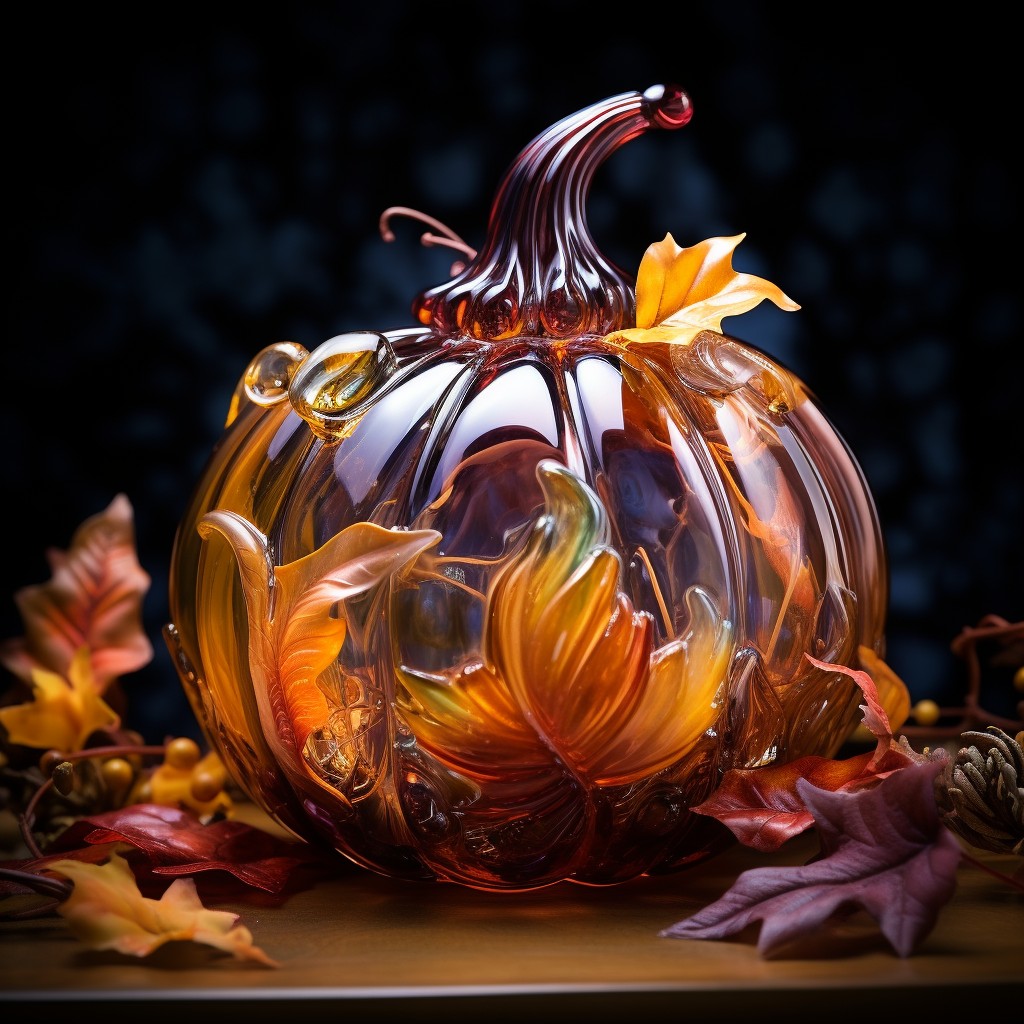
(883, 849)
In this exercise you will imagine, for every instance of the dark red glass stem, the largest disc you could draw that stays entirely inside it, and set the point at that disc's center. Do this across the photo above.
(539, 272)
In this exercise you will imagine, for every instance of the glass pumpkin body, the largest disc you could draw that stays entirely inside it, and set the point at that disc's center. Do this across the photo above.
(496, 599)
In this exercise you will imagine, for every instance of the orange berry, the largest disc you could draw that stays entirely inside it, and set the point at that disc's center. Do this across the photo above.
(206, 783)
(926, 712)
(118, 774)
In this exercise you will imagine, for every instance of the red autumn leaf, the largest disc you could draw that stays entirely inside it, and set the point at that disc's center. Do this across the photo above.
(172, 842)
(93, 599)
(763, 807)
(883, 849)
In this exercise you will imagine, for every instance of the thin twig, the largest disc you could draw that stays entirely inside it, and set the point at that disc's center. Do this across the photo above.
(1016, 883)
(442, 235)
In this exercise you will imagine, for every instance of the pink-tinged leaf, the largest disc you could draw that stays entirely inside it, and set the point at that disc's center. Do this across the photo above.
(876, 719)
(884, 850)
(93, 599)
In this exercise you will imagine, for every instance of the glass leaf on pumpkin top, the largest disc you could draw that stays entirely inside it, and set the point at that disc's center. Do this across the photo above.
(63, 713)
(683, 291)
(93, 599)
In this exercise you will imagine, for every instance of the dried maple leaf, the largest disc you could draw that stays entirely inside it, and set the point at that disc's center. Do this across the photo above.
(106, 911)
(63, 712)
(93, 600)
(883, 850)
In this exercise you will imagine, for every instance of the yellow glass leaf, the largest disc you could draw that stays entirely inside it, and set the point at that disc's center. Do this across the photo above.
(63, 712)
(683, 291)
(106, 911)
(93, 599)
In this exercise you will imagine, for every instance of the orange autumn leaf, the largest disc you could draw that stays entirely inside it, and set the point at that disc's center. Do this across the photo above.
(106, 911)
(93, 599)
(63, 713)
(683, 291)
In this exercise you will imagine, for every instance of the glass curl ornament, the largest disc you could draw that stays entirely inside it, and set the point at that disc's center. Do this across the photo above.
(497, 598)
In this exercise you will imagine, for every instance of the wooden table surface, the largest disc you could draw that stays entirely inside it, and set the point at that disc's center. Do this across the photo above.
(357, 947)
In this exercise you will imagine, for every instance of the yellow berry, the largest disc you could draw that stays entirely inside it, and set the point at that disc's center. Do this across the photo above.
(926, 712)
(118, 775)
(182, 753)
(1018, 679)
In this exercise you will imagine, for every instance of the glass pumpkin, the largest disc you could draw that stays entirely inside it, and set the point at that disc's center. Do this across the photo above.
(497, 598)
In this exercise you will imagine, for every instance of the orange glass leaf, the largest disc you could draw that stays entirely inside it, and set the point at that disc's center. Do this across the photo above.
(94, 599)
(569, 666)
(297, 618)
(106, 911)
(63, 712)
(682, 291)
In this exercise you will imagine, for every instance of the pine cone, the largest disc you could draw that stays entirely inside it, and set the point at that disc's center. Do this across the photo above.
(980, 792)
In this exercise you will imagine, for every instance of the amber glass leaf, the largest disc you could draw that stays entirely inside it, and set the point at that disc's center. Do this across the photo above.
(93, 599)
(567, 658)
(63, 712)
(297, 633)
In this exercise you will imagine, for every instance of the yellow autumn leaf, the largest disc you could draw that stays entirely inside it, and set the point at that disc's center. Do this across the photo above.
(106, 911)
(63, 712)
(683, 291)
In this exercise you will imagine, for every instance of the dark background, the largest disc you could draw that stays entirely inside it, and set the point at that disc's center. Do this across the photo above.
(192, 184)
